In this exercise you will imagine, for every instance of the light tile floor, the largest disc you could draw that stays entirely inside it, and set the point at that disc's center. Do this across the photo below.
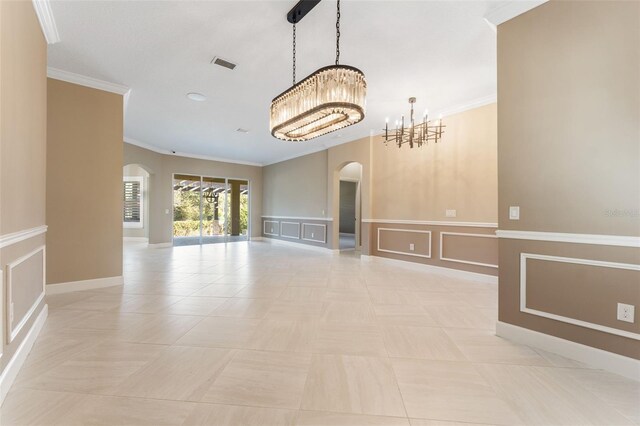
(253, 333)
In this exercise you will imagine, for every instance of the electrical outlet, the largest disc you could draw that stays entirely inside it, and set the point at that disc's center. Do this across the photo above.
(166, 211)
(514, 212)
(412, 247)
(626, 312)
(271, 230)
(450, 213)
(312, 235)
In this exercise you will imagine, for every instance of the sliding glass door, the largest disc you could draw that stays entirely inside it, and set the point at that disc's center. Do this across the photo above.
(209, 209)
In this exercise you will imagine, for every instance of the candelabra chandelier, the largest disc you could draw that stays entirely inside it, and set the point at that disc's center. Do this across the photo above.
(415, 134)
(329, 99)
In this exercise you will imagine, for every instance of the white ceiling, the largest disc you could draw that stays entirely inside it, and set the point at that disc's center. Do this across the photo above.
(442, 52)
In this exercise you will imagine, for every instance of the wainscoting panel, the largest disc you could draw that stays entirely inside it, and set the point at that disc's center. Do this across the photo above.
(472, 249)
(271, 227)
(290, 230)
(314, 232)
(25, 280)
(583, 292)
(408, 242)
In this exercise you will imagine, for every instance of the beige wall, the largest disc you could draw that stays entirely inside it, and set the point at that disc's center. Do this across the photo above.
(161, 169)
(459, 172)
(23, 127)
(84, 183)
(569, 156)
(297, 187)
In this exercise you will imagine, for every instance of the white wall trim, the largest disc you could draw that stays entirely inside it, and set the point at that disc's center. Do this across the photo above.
(94, 83)
(456, 273)
(13, 331)
(506, 10)
(468, 262)
(13, 366)
(597, 239)
(301, 218)
(47, 21)
(157, 150)
(315, 240)
(297, 237)
(523, 291)
(298, 244)
(416, 231)
(16, 237)
(160, 245)
(475, 103)
(432, 222)
(594, 357)
(83, 285)
(264, 228)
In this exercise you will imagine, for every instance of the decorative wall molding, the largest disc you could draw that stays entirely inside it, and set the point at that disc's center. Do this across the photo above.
(157, 150)
(301, 218)
(47, 21)
(505, 10)
(523, 291)
(595, 357)
(83, 285)
(94, 83)
(297, 236)
(314, 239)
(16, 237)
(416, 231)
(597, 239)
(456, 273)
(271, 231)
(475, 103)
(468, 262)
(432, 222)
(13, 331)
(12, 368)
(297, 245)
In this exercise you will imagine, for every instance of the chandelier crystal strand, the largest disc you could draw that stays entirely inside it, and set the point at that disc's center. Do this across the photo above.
(330, 99)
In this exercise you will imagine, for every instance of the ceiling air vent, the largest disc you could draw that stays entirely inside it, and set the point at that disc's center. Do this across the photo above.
(226, 64)
(241, 130)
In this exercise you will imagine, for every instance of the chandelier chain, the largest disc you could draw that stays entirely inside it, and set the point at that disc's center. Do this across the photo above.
(294, 53)
(338, 35)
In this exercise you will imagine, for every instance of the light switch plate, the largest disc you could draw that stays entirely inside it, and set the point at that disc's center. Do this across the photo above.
(514, 212)
(450, 213)
(626, 312)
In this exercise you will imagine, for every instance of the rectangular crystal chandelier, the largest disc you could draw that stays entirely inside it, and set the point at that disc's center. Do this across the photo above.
(330, 99)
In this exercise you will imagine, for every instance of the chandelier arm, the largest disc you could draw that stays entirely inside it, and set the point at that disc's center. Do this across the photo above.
(338, 35)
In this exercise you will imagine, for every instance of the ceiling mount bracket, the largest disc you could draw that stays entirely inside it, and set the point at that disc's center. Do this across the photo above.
(298, 12)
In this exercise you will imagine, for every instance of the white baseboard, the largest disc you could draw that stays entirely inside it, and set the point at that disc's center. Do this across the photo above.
(136, 239)
(13, 366)
(300, 245)
(83, 285)
(595, 357)
(455, 273)
(257, 239)
(160, 245)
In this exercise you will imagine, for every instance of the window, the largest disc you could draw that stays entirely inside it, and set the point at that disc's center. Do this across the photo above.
(132, 201)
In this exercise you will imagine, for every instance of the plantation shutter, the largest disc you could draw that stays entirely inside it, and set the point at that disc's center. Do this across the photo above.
(132, 201)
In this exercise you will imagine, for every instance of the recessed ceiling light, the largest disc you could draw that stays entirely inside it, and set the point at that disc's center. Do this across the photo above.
(198, 97)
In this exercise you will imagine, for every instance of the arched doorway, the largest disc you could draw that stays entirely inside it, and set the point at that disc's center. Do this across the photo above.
(350, 207)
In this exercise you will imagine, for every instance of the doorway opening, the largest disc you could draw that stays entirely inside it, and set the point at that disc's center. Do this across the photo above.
(350, 206)
(135, 203)
(209, 210)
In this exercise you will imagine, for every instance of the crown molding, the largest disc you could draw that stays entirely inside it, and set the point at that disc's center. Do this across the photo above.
(475, 103)
(47, 21)
(82, 80)
(506, 10)
(155, 149)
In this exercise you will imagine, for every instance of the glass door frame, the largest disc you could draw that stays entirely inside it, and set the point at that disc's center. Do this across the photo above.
(226, 232)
